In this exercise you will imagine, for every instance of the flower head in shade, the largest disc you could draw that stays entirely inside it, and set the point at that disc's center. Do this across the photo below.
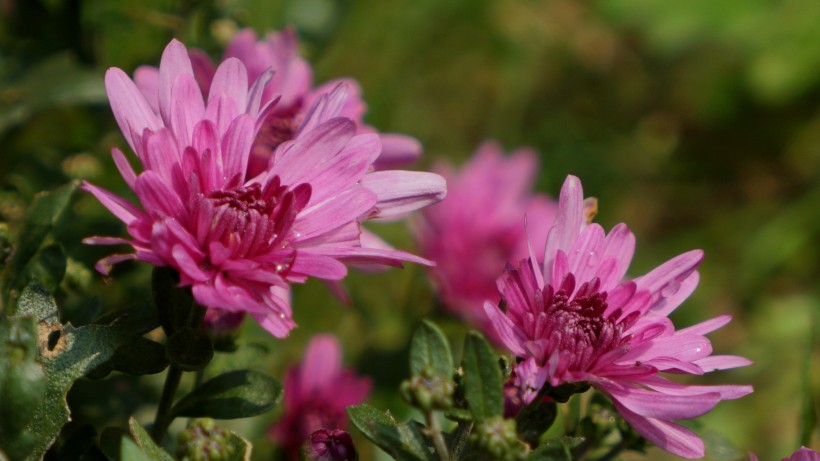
(316, 394)
(474, 232)
(576, 319)
(236, 239)
(330, 445)
(292, 83)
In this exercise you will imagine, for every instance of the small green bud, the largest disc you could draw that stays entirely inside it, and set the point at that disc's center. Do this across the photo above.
(498, 437)
(428, 391)
(203, 440)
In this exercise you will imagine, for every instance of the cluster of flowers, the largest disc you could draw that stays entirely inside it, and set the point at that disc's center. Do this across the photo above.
(251, 180)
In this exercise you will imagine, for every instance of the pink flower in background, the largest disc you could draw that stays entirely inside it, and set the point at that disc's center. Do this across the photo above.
(292, 82)
(238, 240)
(803, 454)
(479, 227)
(577, 320)
(316, 395)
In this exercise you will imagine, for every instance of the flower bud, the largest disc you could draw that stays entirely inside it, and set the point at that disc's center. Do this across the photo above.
(498, 437)
(203, 440)
(428, 391)
(222, 327)
(329, 445)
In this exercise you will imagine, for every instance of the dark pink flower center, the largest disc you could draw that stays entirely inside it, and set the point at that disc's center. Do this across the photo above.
(576, 325)
(249, 220)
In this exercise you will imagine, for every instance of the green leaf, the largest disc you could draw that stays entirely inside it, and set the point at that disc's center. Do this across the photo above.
(22, 383)
(400, 440)
(131, 452)
(483, 384)
(430, 352)
(237, 394)
(41, 217)
(66, 353)
(189, 349)
(534, 420)
(48, 266)
(557, 449)
(146, 443)
(140, 356)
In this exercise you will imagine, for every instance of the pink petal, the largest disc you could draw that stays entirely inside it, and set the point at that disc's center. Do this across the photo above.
(322, 362)
(236, 146)
(118, 206)
(722, 362)
(397, 150)
(174, 62)
(507, 332)
(666, 278)
(568, 222)
(312, 150)
(124, 167)
(187, 108)
(318, 265)
(230, 81)
(705, 327)
(132, 112)
(669, 436)
(658, 405)
(156, 196)
(334, 212)
(400, 192)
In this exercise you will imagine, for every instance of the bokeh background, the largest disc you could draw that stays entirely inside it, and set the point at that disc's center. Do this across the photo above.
(696, 122)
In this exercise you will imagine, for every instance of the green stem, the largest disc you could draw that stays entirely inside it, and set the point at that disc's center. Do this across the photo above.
(164, 418)
(434, 432)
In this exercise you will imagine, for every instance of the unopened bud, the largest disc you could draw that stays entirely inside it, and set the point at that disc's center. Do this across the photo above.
(222, 327)
(329, 445)
(497, 436)
(203, 440)
(428, 391)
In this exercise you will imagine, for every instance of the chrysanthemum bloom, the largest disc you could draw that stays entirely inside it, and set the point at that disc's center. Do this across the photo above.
(316, 395)
(239, 240)
(577, 320)
(292, 82)
(803, 454)
(474, 232)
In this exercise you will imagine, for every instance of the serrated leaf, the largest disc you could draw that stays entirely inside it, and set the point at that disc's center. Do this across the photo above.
(557, 449)
(430, 351)
(402, 441)
(41, 217)
(534, 420)
(146, 443)
(483, 384)
(66, 354)
(236, 394)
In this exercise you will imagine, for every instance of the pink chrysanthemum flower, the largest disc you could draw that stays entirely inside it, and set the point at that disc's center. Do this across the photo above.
(292, 82)
(317, 392)
(577, 320)
(474, 232)
(239, 240)
(803, 454)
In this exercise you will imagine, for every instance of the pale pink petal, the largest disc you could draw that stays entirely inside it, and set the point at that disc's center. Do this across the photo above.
(671, 437)
(322, 362)
(124, 167)
(175, 61)
(651, 404)
(722, 362)
(397, 150)
(131, 110)
(401, 192)
(118, 206)
(568, 222)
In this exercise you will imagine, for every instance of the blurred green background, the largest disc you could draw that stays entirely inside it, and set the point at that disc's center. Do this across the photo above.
(696, 122)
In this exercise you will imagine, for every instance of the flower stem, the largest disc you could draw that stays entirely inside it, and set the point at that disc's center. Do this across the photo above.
(163, 418)
(434, 432)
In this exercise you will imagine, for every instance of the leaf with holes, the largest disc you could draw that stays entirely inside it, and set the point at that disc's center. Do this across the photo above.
(65, 354)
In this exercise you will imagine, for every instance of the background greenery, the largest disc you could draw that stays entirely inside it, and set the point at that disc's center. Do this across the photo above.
(696, 122)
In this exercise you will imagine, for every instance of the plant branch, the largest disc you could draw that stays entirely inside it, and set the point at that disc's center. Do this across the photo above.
(434, 432)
